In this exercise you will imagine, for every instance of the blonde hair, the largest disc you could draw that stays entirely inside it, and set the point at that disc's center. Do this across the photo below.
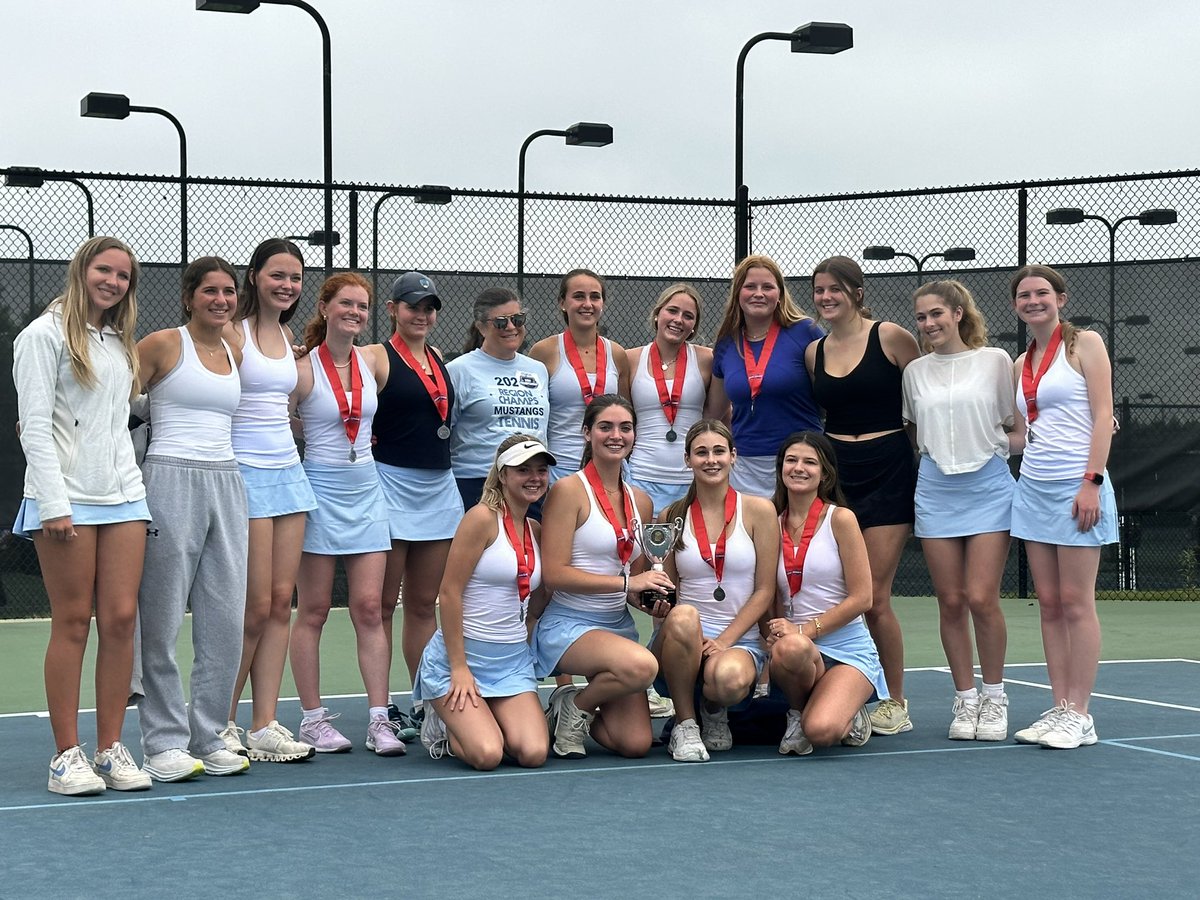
(972, 327)
(74, 304)
(493, 491)
(678, 509)
(1058, 284)
(665, 297)
(786, 313)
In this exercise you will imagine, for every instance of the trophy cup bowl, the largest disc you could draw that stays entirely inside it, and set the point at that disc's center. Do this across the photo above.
(657, 540)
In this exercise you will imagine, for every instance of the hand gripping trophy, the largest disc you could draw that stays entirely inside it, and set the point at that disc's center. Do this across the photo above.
(657, 539)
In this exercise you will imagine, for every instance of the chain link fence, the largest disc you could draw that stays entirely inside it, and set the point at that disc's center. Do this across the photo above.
(467, 240)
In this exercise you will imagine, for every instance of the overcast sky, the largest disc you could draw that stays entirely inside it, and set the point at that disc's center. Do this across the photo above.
(934, 92)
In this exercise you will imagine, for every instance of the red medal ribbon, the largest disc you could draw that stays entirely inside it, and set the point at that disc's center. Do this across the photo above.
(525, 555)
(350, 409)
(793, 556)
(755, 368)
(669, 401)
(715, 558)
(1029, 381)
(624, 535)
(585, 387)
(435, 385)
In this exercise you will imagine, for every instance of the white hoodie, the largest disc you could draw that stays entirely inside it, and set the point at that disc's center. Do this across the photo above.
(76, 439)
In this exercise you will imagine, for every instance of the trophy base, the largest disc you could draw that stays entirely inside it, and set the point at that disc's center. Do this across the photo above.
(648, 597)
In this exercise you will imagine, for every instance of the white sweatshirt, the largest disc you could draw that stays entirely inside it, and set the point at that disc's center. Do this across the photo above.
(76, 439)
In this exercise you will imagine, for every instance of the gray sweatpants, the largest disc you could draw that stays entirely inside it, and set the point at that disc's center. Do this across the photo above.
(195, 552)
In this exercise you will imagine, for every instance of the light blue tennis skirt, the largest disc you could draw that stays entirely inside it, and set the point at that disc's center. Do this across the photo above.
(1041, 512)
(28, 521)
(422, 504)
(662, 495)
(560, 627)
(500, 670)
(351, 515)
(750, 643)
(277, 492)
(951, 506)
(852, 645)
(754, 475)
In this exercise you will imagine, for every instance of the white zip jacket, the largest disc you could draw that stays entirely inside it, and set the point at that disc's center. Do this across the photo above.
(76, 440)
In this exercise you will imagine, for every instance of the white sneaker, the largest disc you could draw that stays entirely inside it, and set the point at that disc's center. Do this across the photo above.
(715, 729)
(569, 725)
(686, 744)
(276, 744)
(993, 719)
(222, 762)
(966, 719)
(862, 725)
(173, 765)
(794, 740)
(1045, 723)
(118, 770)
(433, 734)
(1071, 729)
(660, 707)
(231, 735)
(72, 775)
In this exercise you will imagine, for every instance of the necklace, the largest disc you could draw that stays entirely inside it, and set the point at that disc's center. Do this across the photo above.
(341, 365)
(212, 351)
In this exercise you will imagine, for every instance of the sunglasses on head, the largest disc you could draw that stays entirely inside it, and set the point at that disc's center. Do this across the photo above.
(501, 322)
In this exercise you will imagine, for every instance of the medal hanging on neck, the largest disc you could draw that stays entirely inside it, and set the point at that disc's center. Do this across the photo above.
(1030, 381)
(756, 368)
(525, 557)
(793, 554)
(573, 357)
(350, 407)
(435, 385)
(715, 557)
(669, 399)
(624, 536)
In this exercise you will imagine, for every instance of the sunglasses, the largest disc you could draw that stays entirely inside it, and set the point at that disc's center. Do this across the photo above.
(501, 322)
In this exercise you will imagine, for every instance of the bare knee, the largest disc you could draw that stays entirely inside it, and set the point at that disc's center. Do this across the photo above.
(793, 651)
(682, 624)
(528, 751)
(727, 684)
(116, 626)
(629, 747)
(823, 731)
(484, 754)
(639, 670)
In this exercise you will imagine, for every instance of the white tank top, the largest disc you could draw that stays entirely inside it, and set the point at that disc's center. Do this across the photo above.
(191, 408)
(492, 609)
(594, 549)
(325, 438)
(654, 458)
(824, 583)
(1062, 432)
(564, 427)
(262, 436)
(697, 580)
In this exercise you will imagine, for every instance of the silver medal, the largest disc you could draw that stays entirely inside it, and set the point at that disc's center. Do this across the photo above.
(443, 432)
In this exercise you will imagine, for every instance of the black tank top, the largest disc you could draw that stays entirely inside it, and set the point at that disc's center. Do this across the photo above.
(865, 400)
(406, 422)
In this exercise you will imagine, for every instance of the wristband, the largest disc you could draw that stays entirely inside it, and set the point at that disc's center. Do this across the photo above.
(624, 582)
(817, 625)
(1095, 478)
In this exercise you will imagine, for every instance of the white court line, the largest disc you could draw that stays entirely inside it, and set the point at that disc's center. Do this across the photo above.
(1098, 696)
(1153, 750)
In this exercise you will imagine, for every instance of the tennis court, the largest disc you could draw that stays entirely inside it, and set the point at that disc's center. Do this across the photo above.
(908, 815)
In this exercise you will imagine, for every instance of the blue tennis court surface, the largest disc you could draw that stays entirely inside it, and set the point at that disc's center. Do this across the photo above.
(911, 815)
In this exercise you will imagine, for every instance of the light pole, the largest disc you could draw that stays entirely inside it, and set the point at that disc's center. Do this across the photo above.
(1073, 216)
(33, 177)
(429, 194)
(581, 134)
(116, 106)
(950, 254)
(249, 6)
(815, 37)
(29, 256)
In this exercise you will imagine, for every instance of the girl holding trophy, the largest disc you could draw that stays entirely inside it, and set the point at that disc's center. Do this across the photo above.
(591, 566)
(726, 548)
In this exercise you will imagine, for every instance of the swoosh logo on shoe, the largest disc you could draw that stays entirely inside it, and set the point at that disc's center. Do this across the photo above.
(59, 772)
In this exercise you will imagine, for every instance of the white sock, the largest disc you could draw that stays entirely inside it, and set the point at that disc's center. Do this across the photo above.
(310, 714)
(377, 712)
(258, 734)
(970, 695)
(418, 705)
(995, 691)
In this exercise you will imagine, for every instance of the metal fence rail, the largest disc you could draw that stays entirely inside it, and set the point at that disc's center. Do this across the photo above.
(642, 244)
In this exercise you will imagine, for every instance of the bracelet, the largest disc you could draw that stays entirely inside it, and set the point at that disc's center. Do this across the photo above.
(624, 582)
(817, 625)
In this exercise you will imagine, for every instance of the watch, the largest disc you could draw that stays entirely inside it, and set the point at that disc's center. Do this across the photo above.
(1094, 477)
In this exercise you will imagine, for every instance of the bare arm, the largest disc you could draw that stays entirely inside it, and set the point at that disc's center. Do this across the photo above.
(475, 533)
(716, 404)
(1093, 363)
(621, 360)
(898, 344)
